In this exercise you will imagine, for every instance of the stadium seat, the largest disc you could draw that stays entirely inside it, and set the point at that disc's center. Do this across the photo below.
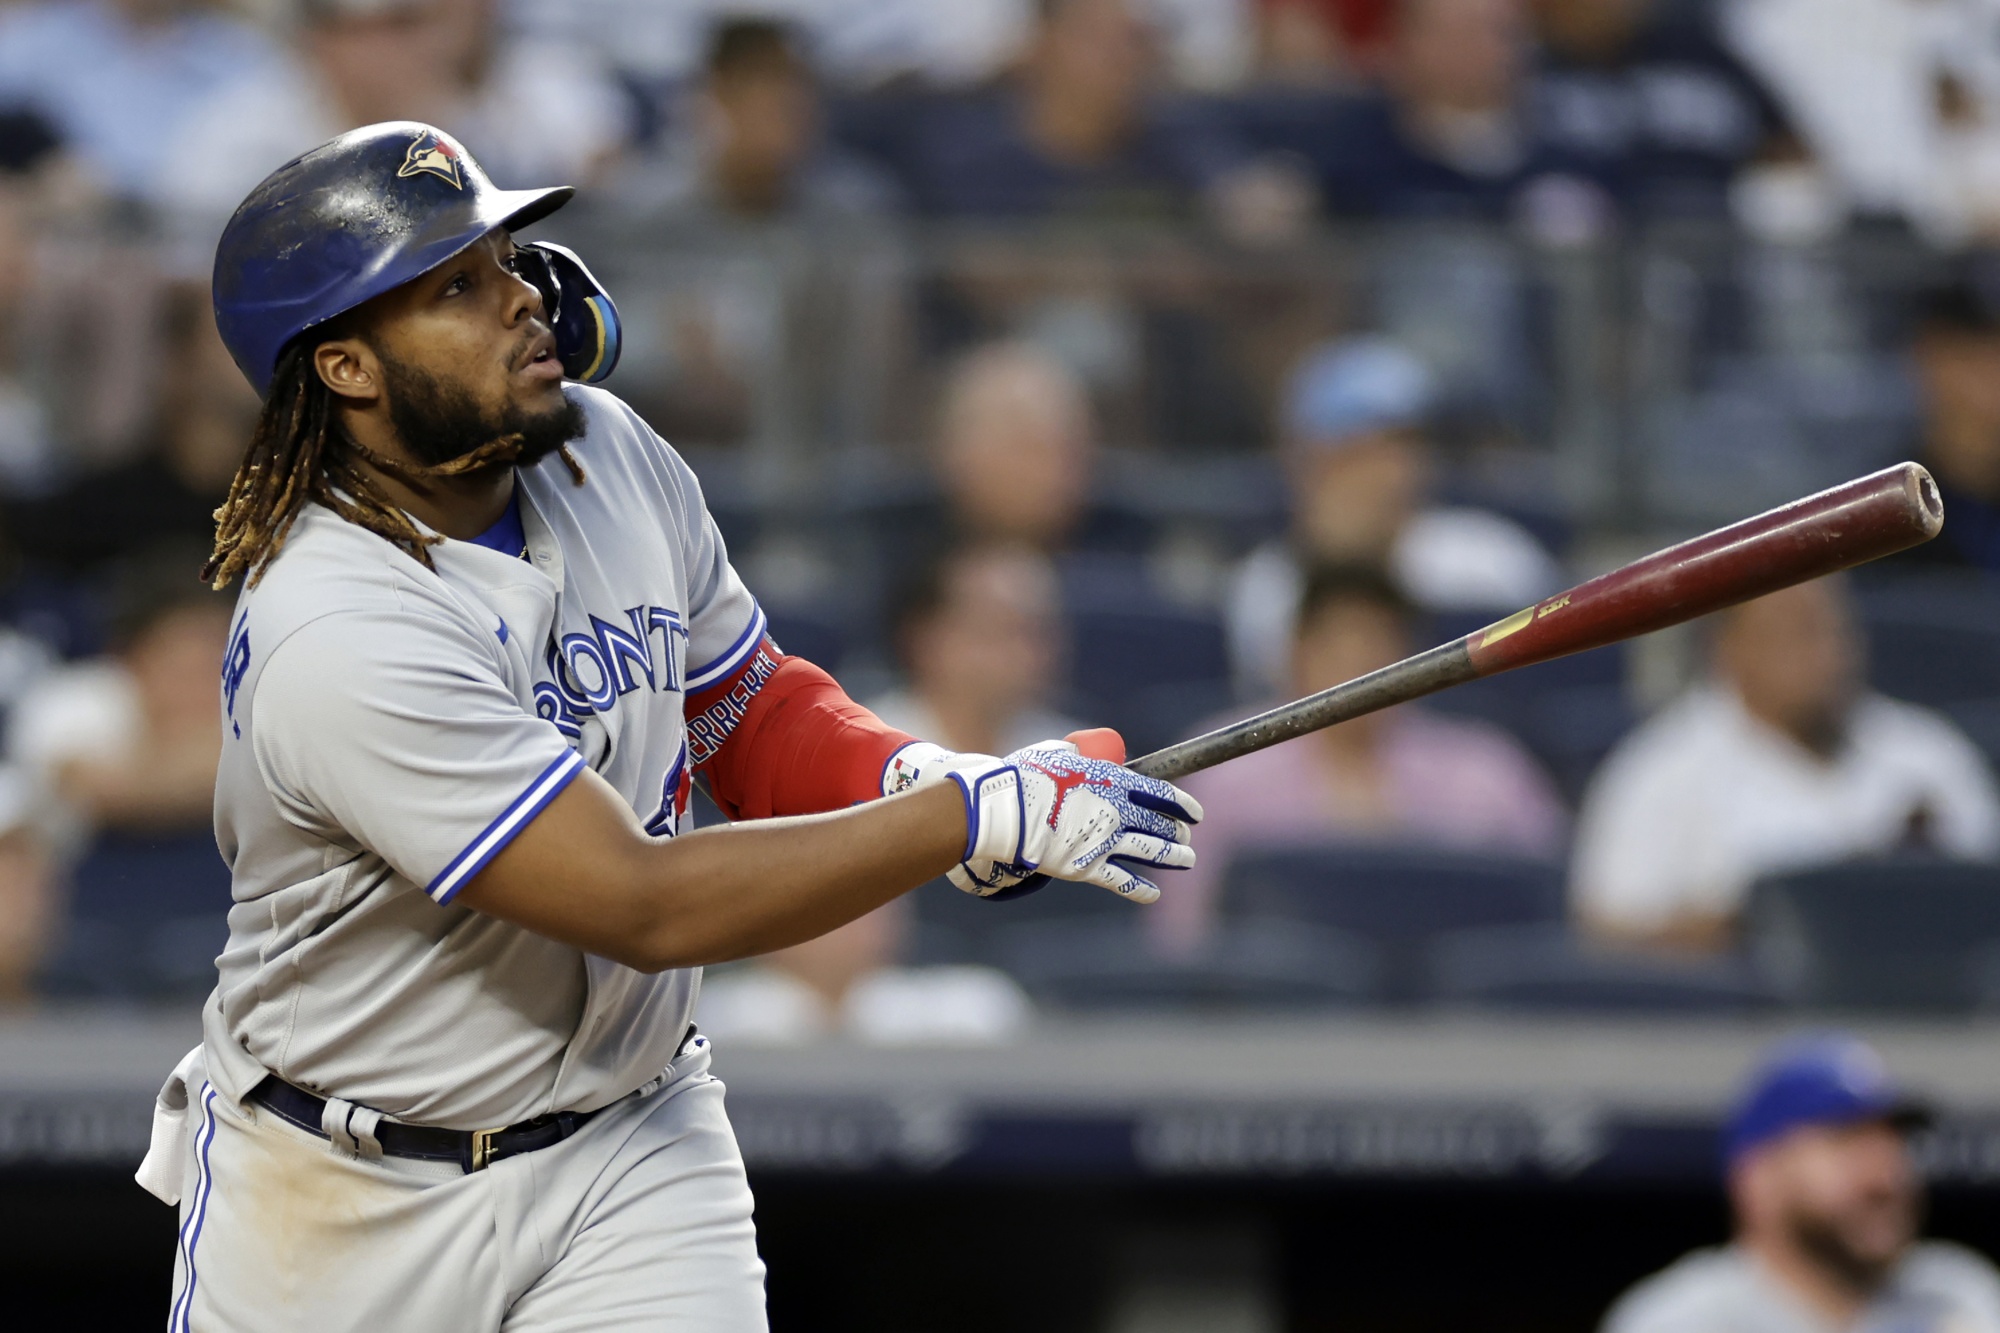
(1133, 653)
(1895, 935)
(820, 639)
(950, 926)
(1398, 898)
(1570, 712)
(1572, 728)
(147, 917)
(1106, 964)
(1547, 968)
(1153, 718)
(1979, 719)
(1933, 640)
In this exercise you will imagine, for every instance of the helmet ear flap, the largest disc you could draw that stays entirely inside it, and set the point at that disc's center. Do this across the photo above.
(579, 310)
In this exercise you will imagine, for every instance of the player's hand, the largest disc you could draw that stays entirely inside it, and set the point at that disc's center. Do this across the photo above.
(1049, 810)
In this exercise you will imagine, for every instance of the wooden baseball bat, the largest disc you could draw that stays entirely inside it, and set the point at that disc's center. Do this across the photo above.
(1862, 520)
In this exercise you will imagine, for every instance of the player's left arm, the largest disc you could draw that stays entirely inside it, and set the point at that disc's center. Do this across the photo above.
(779, 736)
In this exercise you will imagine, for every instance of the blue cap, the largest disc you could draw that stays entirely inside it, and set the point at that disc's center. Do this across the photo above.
(1820, 1079)
(1352, 385)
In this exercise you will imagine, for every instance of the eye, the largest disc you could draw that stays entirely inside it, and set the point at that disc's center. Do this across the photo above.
(459, 282)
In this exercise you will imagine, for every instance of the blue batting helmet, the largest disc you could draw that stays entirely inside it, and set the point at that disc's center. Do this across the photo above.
(346, 222)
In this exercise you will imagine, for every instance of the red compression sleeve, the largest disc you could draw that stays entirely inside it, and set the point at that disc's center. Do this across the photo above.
(780, 737)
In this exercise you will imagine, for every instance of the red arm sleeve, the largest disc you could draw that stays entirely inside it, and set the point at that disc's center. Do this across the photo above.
(780, 737)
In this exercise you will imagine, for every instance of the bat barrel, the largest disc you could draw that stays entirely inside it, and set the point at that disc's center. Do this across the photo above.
(1851, 524)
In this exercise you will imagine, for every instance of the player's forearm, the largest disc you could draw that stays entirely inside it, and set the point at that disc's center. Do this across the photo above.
(585, 873)
(744, 889)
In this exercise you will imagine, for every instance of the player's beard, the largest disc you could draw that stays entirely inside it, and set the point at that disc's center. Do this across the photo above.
(439, 421)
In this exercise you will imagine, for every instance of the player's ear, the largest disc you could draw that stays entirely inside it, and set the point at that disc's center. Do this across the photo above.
(349, 367)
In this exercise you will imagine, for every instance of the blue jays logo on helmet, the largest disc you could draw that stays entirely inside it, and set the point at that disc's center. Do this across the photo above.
(429, 152)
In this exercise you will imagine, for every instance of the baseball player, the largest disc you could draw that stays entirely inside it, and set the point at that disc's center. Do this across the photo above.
(488, 638)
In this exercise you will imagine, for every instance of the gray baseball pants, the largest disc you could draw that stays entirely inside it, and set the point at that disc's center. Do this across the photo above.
(640, 1220)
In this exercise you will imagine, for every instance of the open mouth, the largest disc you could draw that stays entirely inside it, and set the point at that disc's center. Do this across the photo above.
(540, 356)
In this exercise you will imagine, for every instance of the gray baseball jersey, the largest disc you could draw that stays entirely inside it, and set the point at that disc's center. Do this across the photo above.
(1938, 1288)
(388, 729)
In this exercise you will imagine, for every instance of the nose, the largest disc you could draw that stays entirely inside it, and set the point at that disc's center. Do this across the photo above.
(524, 301)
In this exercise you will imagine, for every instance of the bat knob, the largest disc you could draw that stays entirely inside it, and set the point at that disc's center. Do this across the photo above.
(1099, 743)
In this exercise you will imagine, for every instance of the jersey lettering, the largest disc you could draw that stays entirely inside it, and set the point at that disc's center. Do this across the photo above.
(235, 664)
(589, 672)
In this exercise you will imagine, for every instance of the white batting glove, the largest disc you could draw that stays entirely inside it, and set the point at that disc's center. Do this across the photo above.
(1048, 810)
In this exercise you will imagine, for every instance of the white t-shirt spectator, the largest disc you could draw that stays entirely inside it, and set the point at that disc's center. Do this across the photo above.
(87, 711)
(543, 116)
(957, 1004)
(1208, 43)
(118, 91)
(1863, 81)
(1446, 559)
(1703, 799)
(1938, 1288)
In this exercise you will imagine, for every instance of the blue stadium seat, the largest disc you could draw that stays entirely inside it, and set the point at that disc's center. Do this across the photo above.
(1157, 717)
(1547, 968)
(147, 916)
(1933, 640)
(1569, 712)
(949, 926)
(1399, 898)
(1106, 964)
(1979, 719)
(1131, 648)
(1891, 935)
(1572, 728)
(820, 639)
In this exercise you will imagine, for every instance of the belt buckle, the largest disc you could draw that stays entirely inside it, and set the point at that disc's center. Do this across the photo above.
(483, 1146)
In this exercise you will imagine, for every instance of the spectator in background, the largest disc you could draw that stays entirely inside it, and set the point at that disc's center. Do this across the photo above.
(1076, 131)
(529, 113)
(1957, 356)
(747, 143)
(1446, 135)
(29, 901)
(1827, 1203)
(1641, 97)
(1360, 466)
(977, 636)
(1899, 99)
(130, 741)
(1320, 43)
(978, 633)
(1016, 446)
(27, 442)
(117, 79)
(1406, 775)
(202, 422)
(1783, 759)
(850, 981)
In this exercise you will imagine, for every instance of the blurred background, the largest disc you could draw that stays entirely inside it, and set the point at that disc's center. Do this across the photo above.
(1136, 363)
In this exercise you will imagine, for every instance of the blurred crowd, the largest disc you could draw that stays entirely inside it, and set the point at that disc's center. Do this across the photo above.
(1054, 363)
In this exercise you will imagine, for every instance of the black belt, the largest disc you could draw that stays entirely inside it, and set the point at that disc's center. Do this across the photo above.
(472, 1149)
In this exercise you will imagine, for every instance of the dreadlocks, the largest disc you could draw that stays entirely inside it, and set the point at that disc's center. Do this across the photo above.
(300, 452)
